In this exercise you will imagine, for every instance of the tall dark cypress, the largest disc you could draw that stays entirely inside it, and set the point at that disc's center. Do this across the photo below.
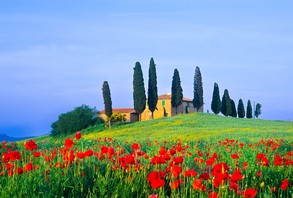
(216, 101)
(249, 110)
(107, 101)
(139, 98)
(197, 91)
(233, 107)
(226, 107)
(152, 88)
(241, 109)
(176, 90)
(257, 111)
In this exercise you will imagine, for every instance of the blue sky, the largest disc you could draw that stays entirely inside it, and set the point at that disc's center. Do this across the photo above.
(55, 55)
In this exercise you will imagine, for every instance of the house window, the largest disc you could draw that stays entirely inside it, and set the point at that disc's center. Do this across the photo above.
(187, 104)
(163, 103)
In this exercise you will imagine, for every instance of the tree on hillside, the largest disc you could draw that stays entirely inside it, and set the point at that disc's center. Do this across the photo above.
(139, 98)
(257, 111)
(233, 106)
(241, 109)
(226, 106)
(107, 101)
(177, 91)
(152, 88)
(216, 101)
(197, 91)
(249, 110)
(75, 120)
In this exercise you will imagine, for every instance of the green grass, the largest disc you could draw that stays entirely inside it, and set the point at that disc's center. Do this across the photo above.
(124, 172)
(198, 126)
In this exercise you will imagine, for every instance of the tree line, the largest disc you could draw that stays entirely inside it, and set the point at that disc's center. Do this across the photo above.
(84, 116)
(139, 93)
(228, 108)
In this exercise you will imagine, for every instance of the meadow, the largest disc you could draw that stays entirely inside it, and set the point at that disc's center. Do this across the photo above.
(195, 155)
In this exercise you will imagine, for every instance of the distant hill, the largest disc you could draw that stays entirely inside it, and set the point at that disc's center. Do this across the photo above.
(4, 137)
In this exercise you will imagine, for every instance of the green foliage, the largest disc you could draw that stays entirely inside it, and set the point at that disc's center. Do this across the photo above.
(75, 120)
(233, 112)
(216, 101)
(249, 110)
(257, 111)
(241, 109)
(152, 87)
(177, 91)
(198, 91)
(107, 99)
(139, 97)
(116, 117)
(226, 107)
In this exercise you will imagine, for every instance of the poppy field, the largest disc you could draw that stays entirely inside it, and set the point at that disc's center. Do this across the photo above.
(106, 167)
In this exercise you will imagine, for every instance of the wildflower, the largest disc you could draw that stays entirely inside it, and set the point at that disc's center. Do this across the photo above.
(77, 135)
(213, 195)
(68, 143)
(190, 173)
(234, 156)
(28, 167)
(37, 154)
(285, 184)
(156, 179)
(250, 193)
(197, 185)
(135, 146)
(31, 145)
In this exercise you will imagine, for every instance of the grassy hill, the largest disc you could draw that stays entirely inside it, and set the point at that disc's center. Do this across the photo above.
(199, 126)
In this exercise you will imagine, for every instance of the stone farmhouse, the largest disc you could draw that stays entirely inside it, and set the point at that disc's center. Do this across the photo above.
(164, 109)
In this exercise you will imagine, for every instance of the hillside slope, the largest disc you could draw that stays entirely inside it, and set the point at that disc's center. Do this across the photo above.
(199, 126)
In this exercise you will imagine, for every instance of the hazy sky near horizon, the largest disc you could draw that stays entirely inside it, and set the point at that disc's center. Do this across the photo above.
(55, 55)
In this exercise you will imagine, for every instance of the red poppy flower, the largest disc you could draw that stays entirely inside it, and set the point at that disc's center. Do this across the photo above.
(156, 179)
(250, 193)
(285, 184)
(31, 145)
(213, 195)
(178, 160)
(236, 176)
(234, 156)
(210, 161)
(175, 184)
(78, 135)
(14, 155)
(28, 167)
(197, 185)
(260, 156)
(104, 149)
(68, 143)
(135, 146)
(204, 176)
(88, 153)
(37, 154)
(80, 155)
(190, 173)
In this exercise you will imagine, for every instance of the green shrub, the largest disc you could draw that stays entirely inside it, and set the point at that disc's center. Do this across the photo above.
(75, 120)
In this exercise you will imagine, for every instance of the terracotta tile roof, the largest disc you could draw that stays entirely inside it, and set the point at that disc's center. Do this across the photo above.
(119, 110)
(168, 96)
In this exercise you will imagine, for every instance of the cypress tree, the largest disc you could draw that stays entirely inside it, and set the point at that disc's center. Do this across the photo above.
(107, 101)
(241, 109)
(226, 107)
(197, 91)
(257, 110)
(139, 98)
(176, 90)
(152, 88)
(249, 110)
(233, 112)
(216, 101)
